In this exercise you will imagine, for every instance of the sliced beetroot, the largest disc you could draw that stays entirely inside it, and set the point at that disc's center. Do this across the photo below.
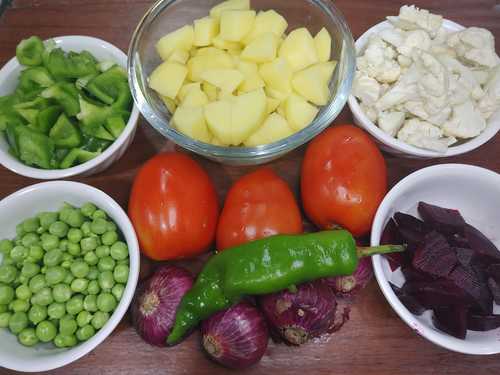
(469, 281)
(482, 323)
(452, 320)
(411, 274)
(458, 240)
(438, 293)
(434, 256)
(493, 270)
(412, 230)
(444, 220)
(494, 289)
(481, 244)
(464, 256)
(408, 301)
(391, 235)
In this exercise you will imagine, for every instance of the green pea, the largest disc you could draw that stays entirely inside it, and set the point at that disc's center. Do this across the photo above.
(117, 291)
(46, 331)
(6, 246)
(90, 303)
(17, 322)
(30, 239)
(75, 218)
(102, 251)
(65, 212)
(69, 278)
(99, 214)
(121, 273)
(53, 257)
(61, 293)
(74, 305)
(75, 235)
(93, 287)
(8, 261)
(59, 229)
(67, 325)
(37, 283)
(74, 249)
(83, 318)
(88, 209)
(109, 238)
(37, 313)
(79, 285)
(6, 294)
(99, 319)
(106, 264)
(80, 269)
(106, 302)
(56, 310)
(19, 305)
(8, 273)
(23, 292)
(91, 258)
(106, 280)
(55, 275)
(88, 244)
(70, 341)
(31, 225)
(20, 279)
(112, 227)
(36, 253)
(66, 264)
(4, 319)
(99, 226)
(30, 269)
(59, 341)
(18, 253)
(47, 218)
(85, 333)
(119, 250)
(20, 230)
(4, 308)
(93, 273)
(63, 244)
(42, 297)
(85, 228)
(27, 337)
(49, 241)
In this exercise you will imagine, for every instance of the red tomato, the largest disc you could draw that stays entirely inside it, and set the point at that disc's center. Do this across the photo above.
(173, 207)
(344, 179)
(258, 205)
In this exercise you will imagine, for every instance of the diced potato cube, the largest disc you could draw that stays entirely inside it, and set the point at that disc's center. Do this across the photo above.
(272, 104)
(191, 122)
(248, 112)
(216, 11)
(265, 22)
(236, 24)
(312, 83)
(327, 69)
(299, 50)
(209, 51)
(323, 43)
(222, 44)
(186, 88)
(169, 103)
(168, 78)
(299, 112)
(195, 98)
(210, 90)
(217, 142)
(277, 75)
(227, 80)
(218, 117)
(225, 95)
(275, 94)
(179, 56)
(262, 49)
(281, 109)
(253, 80)
(205, 29)
(198, 64)
(272, 130)
(179, 39)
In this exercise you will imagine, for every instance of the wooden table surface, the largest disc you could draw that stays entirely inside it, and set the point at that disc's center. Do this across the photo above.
(375, 341)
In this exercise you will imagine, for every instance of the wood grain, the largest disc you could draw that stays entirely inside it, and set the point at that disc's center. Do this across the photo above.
(375, 341)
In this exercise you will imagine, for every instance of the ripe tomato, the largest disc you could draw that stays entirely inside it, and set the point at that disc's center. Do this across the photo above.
(344, 179)
(173, 207)
(259, 204)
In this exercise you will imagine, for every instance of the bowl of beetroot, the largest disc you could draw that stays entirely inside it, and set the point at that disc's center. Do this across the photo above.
(446, 285)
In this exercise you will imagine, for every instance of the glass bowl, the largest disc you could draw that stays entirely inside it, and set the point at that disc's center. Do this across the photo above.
(168, 15)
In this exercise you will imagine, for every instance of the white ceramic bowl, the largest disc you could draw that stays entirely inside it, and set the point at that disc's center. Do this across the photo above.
(474, 192)
(102, 50)
(397, 147)
(49, 196)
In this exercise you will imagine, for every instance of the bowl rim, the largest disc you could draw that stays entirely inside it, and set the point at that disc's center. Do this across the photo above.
(324, 119)
(113, 209)
(437, 337)
(401, 146)
(22, 169)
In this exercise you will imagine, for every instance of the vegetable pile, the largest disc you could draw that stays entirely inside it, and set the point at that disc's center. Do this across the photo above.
(67, 108)
(62, 276)
(450, 267)
(235, 78)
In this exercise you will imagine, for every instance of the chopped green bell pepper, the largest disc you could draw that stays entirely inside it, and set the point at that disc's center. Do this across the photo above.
(66, 95)
(94, 144)
(115, 125)
(8, 114)
(110, 87)
(64, 133)
(29, 51)
(47, 118)
(34, 148)
(93, 118)
(34, 78)
(30, 115)
(71, 65)
(78, 155)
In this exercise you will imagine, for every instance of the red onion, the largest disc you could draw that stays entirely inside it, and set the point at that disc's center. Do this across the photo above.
(350, 285)
(156, 302)
(236, 337)
(298, 316)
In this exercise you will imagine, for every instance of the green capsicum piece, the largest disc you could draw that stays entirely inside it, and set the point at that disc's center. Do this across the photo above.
(93, 118)
(30, 115)
(8, 114)
(72, 65)
(47, 118)
(267, 266)
(66, 95)
(34, 148)
(77, 155)
(111, 87)
(94, 144)
(29, 51)
(115, 125)
(64, 133)
(36, 77)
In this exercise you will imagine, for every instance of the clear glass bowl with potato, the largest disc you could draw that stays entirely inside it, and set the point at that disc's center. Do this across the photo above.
(241, 82)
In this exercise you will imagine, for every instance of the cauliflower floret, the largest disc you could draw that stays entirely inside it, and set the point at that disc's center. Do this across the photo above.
(413, 18)
(404, 61)
(476, 46)
(421, 110)
(415, 39)
(434, 79)
(482, 76)
(465, 79)
(490, 103)
(392, 36)
(398, 94)
(424, 135)
(466, 121)
(370, 112)
(391, 122)
(379, 61)
(365, 88)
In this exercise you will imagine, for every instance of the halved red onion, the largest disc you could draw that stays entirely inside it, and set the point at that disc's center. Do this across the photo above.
(350, 285)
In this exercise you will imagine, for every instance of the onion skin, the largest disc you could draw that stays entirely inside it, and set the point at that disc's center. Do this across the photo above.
(156, 302)
(348, 286)
(237, 337)
(296, 317)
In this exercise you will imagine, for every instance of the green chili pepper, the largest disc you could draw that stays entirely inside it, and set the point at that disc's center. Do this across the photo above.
(64, 133)
(66, 95)
(29, 51)
(267, 266)
(70, 65)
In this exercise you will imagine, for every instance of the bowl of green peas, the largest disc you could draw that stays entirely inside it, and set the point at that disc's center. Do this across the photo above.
(69, 265)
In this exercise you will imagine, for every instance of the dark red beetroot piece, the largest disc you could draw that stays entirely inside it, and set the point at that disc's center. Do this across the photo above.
(452, 320)
(467, 280)
(408, 301)
(458, 240)
(494, 289)
(493, 271)
(411, 274)
(481, 244)
(412, 230)
(477, 322)
(437, 293)
(434, 256)
(444, 220)
(391, 235)
(464, 256)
